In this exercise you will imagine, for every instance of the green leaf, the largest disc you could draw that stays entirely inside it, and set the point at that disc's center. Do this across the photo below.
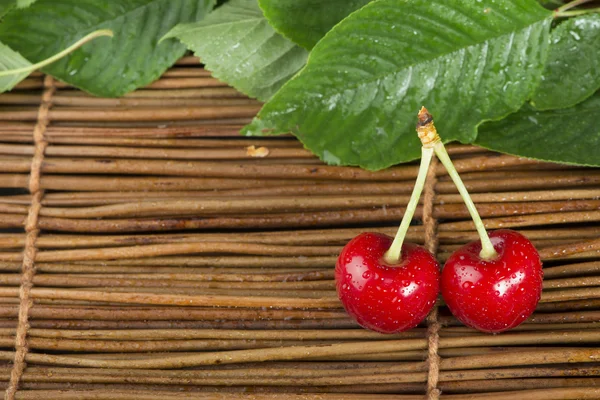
(356, 101)
(14, 67)
(551, 4)
(9, 60)
(239, 46)
(7, 5)
(104, 67)
(24, 3)
(572, 72)
(569, 135)
(306, 21)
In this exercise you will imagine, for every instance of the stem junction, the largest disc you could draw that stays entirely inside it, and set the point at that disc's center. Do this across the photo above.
(429, 138)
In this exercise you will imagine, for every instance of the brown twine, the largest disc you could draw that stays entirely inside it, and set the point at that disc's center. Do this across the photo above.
(431, 242)
(32, 232)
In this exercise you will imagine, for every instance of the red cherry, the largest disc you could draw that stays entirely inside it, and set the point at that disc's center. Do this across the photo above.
(382, 297)
(498, 294)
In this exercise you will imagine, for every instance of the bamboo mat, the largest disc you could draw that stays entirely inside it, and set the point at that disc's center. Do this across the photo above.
(150, 252)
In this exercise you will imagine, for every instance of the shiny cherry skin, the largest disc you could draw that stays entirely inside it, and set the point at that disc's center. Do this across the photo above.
(496, 295)
(381, 297)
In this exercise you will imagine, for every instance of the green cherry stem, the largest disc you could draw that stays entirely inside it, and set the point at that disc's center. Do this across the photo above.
(392, 256)
(487, 248)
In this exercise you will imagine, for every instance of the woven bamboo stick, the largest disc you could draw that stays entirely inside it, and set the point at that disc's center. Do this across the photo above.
(188, 60)
(338, 334)
(30, 83)
(300, 237)
(316, 289)
(127, 269)
(285, 324)
(219, 261)
(205, 92)
(529, 220)
(179, 248)
(574, 248)
(54, 165)
(124, 346)
(256, 290)
(94, 183)
(152, 153)
(183, 83)
(210, 206)
(535, 394)
(180, 300)
(275, 187)
(319, 218)
(304, 370)
(451, 206)
(108, 313)
(182, 71)
(203, 143)
(572, 269)
(295, 352)
(101, 198)
(82, 114)
(299, 220)
(191, 130)
(360, 360)
(207, 262)
(156, 395)
(81, 101)
(297, 377)
(221, 206)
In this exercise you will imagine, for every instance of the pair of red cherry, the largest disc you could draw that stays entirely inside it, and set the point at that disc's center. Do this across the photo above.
(492, 284)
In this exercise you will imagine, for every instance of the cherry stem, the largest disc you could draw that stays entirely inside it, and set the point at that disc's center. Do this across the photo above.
(487, 248)
(392, 256)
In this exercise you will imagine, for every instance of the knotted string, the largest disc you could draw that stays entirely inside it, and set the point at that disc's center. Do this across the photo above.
(431, 242)
(32, 231)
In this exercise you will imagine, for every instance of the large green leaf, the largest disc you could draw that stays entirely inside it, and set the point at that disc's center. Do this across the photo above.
(306, 21)
(568, 135)
(572, 72)
(104, 67)
(355, 103)
(239, 46)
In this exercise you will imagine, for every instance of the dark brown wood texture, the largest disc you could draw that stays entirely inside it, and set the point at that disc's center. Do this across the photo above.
(164, 260)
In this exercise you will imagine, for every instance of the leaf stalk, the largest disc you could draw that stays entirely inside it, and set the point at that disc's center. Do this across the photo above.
(487, 248)
(57, 56)
(392, 256)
